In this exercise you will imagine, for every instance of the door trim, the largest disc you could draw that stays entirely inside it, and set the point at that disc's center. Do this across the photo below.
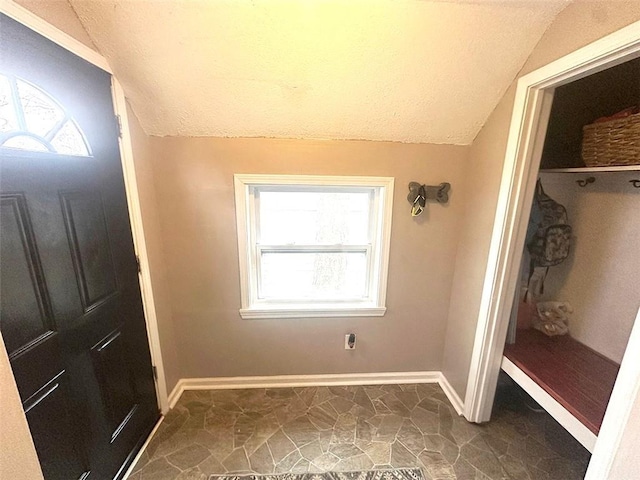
(509, 229)
(140, 244)
(624, 399)
(32, 21)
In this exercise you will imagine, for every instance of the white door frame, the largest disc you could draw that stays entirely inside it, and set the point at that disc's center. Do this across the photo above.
(74, 46)
(522, 159)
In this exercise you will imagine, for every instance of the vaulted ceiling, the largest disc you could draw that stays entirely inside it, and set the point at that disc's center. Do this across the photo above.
(399, 70)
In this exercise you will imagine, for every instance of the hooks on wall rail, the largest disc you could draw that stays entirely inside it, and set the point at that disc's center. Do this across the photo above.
(583, 182)
(420, 193)
(586, 181)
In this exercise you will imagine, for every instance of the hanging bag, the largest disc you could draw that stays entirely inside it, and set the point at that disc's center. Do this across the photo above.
(549, 235)
(548, 239)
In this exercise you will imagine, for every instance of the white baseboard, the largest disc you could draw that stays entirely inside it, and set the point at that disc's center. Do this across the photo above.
(175, 394)
(228, 383)
(451, 394)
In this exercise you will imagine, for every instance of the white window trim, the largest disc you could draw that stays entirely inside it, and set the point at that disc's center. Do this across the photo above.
(249, 310)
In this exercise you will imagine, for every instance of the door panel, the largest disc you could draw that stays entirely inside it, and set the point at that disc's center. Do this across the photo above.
(26, 313)
(36, 364)
(90, 249)
(71, 310)
(55, 436)
(116, 381)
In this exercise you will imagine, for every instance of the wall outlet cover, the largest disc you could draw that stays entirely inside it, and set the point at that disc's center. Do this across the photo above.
(350, 341)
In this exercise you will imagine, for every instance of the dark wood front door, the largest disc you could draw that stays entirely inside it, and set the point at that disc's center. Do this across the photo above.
(71, 310)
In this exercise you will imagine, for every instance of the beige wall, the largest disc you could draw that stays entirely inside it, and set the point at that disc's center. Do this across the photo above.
(18, 457)
(601, 276)
(143, 160)
(194, 188)
(579, 24)
(485, 167)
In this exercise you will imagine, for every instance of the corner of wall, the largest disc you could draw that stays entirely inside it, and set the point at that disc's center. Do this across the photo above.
(485, 168)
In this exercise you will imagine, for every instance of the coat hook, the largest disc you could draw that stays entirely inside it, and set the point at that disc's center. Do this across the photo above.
(635, 183)
(586, 181)
(420, 193)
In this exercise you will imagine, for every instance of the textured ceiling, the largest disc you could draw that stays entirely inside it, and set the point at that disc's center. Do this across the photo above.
(400, 70)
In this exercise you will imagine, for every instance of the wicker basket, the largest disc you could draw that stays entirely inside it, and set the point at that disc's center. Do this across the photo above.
(616, 142)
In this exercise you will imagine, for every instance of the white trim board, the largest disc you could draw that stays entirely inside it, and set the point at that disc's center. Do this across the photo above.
(451, 394)
(581, 433)
(282, 381)
(625, 395)
(140, 244)
(35, 23)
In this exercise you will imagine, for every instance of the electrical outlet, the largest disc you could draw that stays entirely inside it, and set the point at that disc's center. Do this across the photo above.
(350, 341)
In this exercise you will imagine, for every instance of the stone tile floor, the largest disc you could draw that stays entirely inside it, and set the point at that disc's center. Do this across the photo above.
(355, 428)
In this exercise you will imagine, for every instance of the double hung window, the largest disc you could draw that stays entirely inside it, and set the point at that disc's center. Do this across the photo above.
(313, 246)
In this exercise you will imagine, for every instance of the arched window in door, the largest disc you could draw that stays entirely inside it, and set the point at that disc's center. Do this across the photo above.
(31, 120)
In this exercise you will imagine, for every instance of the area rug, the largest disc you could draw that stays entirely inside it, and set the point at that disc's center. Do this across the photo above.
(392, 474)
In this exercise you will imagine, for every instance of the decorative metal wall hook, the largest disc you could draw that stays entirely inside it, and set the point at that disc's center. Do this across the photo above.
(635, 183)
(586, 181)
(419, 194)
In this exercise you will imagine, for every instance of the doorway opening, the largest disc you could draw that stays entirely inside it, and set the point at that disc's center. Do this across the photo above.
(532, 109)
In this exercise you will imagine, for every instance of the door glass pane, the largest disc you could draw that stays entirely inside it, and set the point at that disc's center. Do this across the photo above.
(22, 142)
(8, 121)
(316, 275)
(313, 218)
(32, 120)
(41, 113)
(69, 140)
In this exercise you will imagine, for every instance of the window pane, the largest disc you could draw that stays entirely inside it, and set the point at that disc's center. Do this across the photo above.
(8, 121)
(23, 142)
(40, 113)
(311, 218)
(69, 140)
(313, 275)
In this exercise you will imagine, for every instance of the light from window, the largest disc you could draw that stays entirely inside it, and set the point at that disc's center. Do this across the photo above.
(313, 246)
(32, 120)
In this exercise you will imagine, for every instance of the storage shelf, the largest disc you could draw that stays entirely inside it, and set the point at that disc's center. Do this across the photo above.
(554, 408)
(626, 168)
(578, 378)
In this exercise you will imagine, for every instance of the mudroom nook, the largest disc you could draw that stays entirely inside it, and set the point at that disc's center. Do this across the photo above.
(248, 239)
(595, 287)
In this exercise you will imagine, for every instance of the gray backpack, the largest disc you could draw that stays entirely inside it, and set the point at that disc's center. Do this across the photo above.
(548, 234)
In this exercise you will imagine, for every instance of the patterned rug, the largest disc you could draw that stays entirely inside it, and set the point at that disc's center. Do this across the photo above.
(395, 474)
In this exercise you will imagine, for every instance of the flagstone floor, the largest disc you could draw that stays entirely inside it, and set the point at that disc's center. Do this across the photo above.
(355, 428)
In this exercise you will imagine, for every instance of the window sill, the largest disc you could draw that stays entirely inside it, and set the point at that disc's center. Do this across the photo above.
(314, 312)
